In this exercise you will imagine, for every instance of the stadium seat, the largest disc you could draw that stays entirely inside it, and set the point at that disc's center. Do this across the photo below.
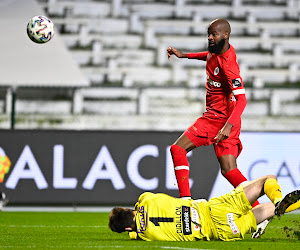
(120, 46)
(105, 101)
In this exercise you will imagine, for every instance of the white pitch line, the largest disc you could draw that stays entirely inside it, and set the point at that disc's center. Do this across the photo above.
(99, 209)
(185, 248)
(57, 247)
(83, 226)
(158, 247)
(57, 209)
(48, 226)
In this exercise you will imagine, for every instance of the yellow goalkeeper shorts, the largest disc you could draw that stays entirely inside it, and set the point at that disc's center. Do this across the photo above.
(232, 215)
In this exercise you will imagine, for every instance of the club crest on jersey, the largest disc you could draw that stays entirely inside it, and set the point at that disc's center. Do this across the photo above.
(216, 71)
(232, 98)
(236, 82)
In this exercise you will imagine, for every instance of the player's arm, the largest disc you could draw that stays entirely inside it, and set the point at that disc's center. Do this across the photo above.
(134, 235)
(198, 55)
(241, 102)
(176, 52)
(223, 133)
(236, 84)
(179, 54)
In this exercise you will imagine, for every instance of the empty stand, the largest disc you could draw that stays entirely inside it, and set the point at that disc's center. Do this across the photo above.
(120, 46)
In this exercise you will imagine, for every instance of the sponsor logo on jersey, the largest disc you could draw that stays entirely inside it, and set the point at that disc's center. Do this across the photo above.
(213, 83)
(236, 82)
(186, 220)
(216, 71)
(195, 219)
(234, 228)
(143, 219)
(183, 220)
(178, 220)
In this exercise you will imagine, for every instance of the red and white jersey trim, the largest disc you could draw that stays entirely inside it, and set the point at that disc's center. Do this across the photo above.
(238, 91)
(181, 167)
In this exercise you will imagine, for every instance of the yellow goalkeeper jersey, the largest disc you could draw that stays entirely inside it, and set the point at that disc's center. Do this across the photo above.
(165, 218)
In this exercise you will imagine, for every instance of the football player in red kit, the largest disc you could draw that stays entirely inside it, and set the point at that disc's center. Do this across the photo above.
(220, 124)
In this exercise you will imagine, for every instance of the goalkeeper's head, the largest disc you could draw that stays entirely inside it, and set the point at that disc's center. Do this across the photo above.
(122, 220)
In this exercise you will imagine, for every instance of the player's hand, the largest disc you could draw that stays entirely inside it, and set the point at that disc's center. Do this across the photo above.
(173, 51)
(223, 133)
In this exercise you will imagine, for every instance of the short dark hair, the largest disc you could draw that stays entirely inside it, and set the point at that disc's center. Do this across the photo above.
(120, 218)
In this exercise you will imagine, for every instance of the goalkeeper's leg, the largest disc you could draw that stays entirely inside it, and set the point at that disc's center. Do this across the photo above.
(263, 214)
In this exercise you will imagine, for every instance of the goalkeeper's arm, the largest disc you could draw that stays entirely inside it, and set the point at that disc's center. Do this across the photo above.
(134, 236)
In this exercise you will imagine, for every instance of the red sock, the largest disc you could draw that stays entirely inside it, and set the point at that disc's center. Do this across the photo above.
(181, 167)
(255, 204)
(235, 177)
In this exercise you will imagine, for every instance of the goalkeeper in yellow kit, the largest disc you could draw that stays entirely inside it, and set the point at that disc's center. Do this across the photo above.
(228, 217)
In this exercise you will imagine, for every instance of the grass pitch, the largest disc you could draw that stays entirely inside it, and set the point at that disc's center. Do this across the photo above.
(83, 230)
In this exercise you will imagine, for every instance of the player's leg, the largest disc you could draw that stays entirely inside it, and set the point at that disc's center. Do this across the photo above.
(264, 185)
(227, 159)
(181, 166)
(195, 136)
(230, 171)
(268, 185)
(289, 203)
(253, 190)
(263, 211)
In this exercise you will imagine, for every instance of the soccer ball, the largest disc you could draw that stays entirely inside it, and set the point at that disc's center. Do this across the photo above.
(40, 29)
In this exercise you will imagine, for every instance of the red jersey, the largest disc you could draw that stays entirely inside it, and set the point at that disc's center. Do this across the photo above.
(223, 84)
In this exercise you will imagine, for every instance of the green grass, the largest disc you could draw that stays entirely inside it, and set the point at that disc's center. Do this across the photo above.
(81, 230)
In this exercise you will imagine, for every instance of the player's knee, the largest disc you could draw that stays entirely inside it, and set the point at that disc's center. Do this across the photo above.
(177, 150)
(227, 163)
(224, 171)
(226, 168)
(271, 176)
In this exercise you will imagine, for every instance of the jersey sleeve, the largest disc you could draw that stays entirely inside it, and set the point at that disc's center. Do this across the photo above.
(144, 196)
(235, 82)
(198, 55)
(231, 71)
(239, 107)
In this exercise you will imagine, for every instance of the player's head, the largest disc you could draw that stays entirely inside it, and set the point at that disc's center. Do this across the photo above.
(121, 220)
(218, 36)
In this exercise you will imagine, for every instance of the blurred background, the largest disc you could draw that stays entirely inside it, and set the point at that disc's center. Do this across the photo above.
(105, 76)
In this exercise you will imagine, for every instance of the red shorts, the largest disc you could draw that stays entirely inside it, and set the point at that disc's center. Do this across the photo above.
(204, 130)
